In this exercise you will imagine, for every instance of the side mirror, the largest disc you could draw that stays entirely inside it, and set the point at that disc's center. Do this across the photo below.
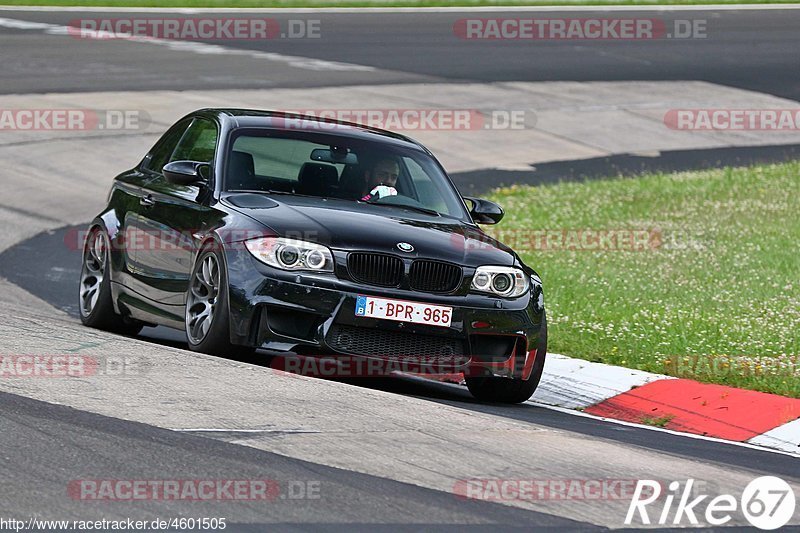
(484, 211)
(186, 172)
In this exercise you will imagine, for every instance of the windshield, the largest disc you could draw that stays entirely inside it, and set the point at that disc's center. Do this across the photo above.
(331, 166)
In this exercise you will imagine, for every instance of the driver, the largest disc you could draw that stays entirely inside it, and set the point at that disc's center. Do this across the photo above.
(381, 179)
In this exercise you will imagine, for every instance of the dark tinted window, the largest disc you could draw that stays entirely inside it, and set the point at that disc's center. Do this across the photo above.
(162, 151)
(305, 164)
(198, 142)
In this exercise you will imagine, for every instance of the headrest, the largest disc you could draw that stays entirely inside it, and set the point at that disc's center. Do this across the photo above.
(316, 178)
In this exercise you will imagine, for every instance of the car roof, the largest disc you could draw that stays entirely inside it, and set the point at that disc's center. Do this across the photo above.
(254, 118)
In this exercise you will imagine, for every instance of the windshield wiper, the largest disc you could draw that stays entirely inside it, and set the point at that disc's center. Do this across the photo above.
(424, 210)
(271, 191)
(262, 191)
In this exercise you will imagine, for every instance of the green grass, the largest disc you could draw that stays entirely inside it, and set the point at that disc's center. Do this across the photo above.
(363, 3)
(659, 422)
(718, 300)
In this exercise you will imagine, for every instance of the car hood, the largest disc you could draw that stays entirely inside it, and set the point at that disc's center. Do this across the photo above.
(347, 225)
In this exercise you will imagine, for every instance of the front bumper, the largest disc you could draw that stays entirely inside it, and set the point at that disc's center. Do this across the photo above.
(314, 314)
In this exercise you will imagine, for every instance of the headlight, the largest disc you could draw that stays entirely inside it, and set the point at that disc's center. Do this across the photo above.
(288, 254)
(502, 281)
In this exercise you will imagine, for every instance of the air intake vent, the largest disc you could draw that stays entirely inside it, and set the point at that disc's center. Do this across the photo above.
(434, 276)
(394, 344)
(375, 269)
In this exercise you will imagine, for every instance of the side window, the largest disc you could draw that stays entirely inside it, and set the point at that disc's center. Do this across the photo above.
(198, 142)
(161, 152)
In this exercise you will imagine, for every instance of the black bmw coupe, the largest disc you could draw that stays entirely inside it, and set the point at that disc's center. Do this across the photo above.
(256, 229)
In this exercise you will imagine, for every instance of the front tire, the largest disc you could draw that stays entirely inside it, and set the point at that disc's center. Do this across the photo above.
(95, 301)
(504, 390)
(207, 318)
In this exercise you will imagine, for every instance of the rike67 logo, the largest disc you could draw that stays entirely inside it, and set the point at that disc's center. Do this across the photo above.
(767, 503)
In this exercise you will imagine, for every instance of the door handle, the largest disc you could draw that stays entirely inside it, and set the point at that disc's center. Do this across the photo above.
(147, 201)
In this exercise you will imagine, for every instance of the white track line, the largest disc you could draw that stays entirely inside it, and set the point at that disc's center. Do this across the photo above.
(228, 430)
(448, 9)
(196, 47)
(573, 412)
(664, 430)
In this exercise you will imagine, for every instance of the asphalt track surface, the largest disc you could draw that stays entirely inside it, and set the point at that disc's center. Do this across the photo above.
(747, 49)
(755, 50)
(46, 267)
(45, 445)
(480, 181)
(41, 467)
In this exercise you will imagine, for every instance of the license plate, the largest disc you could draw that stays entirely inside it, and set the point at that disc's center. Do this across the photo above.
(404, 311)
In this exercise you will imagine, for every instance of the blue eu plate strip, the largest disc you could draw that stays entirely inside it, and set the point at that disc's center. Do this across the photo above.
(361, 305)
